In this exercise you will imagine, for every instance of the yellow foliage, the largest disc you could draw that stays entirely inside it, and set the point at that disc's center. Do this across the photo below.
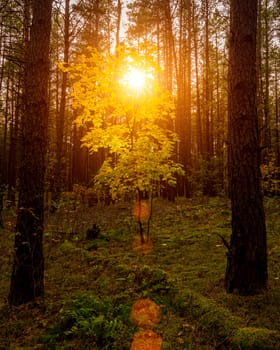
(133, 125)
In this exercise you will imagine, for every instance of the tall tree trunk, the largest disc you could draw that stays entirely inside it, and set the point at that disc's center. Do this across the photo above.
(208, 152)
(199, 138)
(2, 50)
(60, 174)
(119, 16)
(219, 121)
(260, 98)
(97, 23)
(5, 134)
(246, 271)
(27, 280)
(12, 160)
(170, 57)
(277, 124)
(183, 115)
(267, 128)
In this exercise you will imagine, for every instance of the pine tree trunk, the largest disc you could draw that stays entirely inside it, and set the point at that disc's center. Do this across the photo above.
(27, 280)
(183, 110)
(277, 124)
(119, 16)
(199, 138)
(267, 126)
(246, 271)
(208, 151)
(60, 171)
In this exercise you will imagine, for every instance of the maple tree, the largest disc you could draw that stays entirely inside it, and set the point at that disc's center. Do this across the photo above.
(132, 122)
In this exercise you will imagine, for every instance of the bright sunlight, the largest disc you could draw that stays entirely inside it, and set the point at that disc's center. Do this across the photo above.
(135, 79)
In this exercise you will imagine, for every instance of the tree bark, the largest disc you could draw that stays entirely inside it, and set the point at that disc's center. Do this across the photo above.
(199, 137)
(208, 146)
(246, 271)
(27, 280)
(266, 107)
(60, 170)
(183, 108)
(119, 16)
(277, 124)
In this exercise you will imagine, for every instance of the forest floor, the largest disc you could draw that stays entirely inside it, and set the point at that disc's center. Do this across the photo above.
(91, 286)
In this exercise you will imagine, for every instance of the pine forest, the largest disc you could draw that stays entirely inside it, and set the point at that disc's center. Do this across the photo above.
(140, 174)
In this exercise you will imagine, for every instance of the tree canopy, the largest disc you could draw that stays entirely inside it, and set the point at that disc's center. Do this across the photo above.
(132, 122)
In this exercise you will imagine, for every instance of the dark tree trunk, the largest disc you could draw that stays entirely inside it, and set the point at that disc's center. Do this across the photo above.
(199, 137)
(277, 124)
(13, 150)
(246, 271)
(60, 171)
(80, 159)
(170, 58)
(183, 110)
(27, 280)
(2, 189)
(119, 15)
(208, 146)
(266, 107)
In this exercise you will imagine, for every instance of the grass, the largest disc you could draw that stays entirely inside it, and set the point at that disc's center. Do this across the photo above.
(182, 272)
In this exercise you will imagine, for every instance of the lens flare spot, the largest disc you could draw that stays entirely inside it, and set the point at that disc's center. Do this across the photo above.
(146, 340)
(142, 248)
(145, 313)
(141, 211)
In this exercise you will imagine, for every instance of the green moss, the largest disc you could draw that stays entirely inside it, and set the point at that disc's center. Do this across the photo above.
(250, 338)
(218, 324)
(213, 321)
(67, 247)
(187, 264)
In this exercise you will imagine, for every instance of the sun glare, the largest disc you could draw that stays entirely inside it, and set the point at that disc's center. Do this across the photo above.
(135, 79)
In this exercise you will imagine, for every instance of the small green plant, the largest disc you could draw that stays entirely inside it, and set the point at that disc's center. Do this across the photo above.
(94, 320)
(152, 282)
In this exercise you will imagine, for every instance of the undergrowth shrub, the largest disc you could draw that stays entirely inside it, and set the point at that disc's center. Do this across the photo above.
(219, 326)
(251, 338)
(95, 321)
(271, 177)
(216, 323)
(152, 281)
